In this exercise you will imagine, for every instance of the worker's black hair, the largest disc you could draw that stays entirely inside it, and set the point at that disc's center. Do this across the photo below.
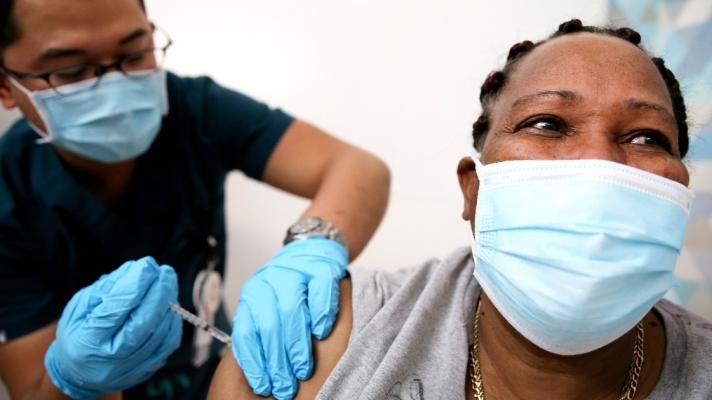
(497, 79)
(9, 31)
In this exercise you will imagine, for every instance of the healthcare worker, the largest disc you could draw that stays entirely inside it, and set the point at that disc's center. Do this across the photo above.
(111, 208)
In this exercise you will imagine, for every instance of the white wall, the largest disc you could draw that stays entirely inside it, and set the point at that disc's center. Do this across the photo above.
(399, 78)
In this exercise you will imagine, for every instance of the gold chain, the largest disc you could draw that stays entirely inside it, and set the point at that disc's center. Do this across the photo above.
(478, 389)
(636, 365)
(627, 393)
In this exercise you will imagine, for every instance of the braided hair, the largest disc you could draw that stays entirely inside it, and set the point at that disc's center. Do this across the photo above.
(497, 79)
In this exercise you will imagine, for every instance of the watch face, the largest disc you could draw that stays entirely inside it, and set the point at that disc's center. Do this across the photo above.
(308, 225)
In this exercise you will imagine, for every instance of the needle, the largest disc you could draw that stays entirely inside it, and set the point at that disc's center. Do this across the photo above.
(201, 323)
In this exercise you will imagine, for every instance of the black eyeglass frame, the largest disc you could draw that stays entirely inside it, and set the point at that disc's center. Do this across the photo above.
(99, 69)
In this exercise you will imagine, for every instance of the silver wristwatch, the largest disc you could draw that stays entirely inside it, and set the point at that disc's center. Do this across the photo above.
(314, 227)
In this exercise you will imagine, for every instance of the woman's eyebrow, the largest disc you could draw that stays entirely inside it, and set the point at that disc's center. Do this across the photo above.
(635, 104)
(565, 95)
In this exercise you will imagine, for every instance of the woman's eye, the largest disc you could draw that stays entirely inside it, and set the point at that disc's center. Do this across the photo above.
(548, 125)
(655, 139)
(544, 124)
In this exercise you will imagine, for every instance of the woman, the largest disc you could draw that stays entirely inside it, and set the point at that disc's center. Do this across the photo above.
(578, 206)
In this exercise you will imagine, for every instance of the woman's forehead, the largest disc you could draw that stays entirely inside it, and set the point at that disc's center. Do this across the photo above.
(591, 65)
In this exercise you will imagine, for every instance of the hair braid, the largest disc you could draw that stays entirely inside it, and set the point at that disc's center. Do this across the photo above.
(574, 25)
(519, 49)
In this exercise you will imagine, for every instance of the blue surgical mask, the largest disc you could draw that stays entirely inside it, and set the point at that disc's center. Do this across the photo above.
(574, 253)
(112, 121)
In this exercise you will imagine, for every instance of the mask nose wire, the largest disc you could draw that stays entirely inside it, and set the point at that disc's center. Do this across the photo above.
(476, 157)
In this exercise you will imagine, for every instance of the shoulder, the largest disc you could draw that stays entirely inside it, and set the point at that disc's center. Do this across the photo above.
(202, 94)
(692, 327)
(373, 289)
(390, 281)
(190, 97)
(180, 86)
(408, 326)
(689, 345)
(186, 94)
(242, 130)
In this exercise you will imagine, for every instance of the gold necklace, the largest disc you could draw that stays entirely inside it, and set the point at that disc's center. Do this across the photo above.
(627, 393)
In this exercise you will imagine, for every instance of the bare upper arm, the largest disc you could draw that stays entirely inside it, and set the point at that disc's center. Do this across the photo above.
(229, 382)
(308, 147)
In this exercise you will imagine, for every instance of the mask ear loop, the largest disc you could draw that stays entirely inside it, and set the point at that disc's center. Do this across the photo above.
(476, 156)
(164, 90)
(44, 137)
(473, 227)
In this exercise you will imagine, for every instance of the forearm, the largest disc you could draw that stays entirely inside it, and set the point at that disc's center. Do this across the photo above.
(348, 186)
(47, 391)
(22, 367)
(353, 196)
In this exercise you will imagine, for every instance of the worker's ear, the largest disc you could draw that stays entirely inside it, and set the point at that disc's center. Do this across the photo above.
(469, 184)
(6, 96)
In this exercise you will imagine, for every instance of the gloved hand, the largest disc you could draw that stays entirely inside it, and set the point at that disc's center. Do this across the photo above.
(116, 332)
(295, 295)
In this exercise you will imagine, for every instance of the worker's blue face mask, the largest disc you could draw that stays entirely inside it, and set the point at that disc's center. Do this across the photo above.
(573, 254)
(112, 121)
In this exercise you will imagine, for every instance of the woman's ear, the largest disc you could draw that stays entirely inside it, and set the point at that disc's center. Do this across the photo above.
(469, 184)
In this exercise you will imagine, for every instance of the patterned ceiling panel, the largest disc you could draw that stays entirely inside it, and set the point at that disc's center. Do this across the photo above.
(680, 31)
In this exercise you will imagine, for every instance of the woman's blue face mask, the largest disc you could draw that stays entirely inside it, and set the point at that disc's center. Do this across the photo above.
(573, 253)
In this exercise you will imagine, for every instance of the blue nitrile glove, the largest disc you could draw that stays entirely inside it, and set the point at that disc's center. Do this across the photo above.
(294, 295)
(116, 332)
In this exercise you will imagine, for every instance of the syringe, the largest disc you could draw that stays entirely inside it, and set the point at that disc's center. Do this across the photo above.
(201, 323)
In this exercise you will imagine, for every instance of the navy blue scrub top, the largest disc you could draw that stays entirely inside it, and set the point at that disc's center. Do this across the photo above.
(56, 237)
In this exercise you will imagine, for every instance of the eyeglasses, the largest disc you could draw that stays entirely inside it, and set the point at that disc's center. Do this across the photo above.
(129, 64)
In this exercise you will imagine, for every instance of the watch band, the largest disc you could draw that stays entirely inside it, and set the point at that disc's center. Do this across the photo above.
(314, 227)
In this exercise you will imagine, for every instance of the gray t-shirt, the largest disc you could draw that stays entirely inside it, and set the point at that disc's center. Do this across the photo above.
(411, 331)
